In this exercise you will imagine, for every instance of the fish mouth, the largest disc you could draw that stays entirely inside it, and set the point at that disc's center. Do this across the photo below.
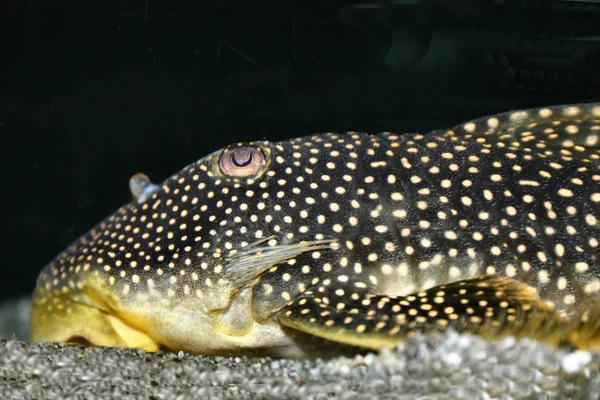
(88, 317)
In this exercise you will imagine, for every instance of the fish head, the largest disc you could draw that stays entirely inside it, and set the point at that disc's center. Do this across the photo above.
(184, 255)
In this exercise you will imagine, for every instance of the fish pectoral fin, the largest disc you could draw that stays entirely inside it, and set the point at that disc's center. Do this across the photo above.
(488, 305)
(247, 264)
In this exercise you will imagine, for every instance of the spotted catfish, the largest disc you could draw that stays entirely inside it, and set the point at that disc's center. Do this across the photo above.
(491, 228)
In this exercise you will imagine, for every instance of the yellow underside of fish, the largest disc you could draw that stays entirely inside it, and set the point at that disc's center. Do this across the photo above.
(92, 315)
(84, 317)
(89, 316)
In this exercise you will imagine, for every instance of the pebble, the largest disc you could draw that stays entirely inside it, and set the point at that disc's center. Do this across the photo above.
(446, 366)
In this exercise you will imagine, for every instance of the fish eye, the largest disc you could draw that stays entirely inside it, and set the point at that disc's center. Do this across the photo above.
(242, 162)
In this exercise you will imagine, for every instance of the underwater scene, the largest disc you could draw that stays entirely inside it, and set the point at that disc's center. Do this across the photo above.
(300, 199)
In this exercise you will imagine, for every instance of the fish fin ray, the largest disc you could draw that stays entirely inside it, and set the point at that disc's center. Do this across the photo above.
(247, 264)
(585, 333)
(496, 306)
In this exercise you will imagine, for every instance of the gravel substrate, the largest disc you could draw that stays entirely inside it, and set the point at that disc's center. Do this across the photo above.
(448, 366)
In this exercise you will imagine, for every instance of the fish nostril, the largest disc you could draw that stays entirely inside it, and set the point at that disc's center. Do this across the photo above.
(141, 188)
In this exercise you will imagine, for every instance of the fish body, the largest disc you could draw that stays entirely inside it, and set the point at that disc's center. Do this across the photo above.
(491, 227)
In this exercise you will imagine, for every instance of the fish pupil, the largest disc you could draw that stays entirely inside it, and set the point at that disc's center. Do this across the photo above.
(243, 163)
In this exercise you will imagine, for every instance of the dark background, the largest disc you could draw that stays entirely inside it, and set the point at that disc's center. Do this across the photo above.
(92, 92)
